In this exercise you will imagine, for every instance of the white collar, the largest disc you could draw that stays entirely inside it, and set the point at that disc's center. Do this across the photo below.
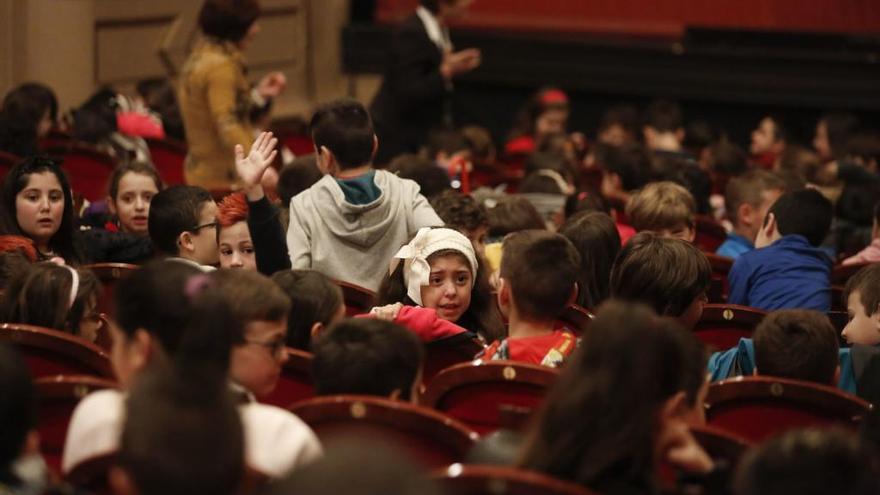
(436, 32)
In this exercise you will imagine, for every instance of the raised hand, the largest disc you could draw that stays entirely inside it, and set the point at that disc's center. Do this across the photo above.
(271, 85)
(252, 167)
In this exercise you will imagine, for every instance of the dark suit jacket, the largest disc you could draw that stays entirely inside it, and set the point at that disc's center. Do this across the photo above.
(414, 97)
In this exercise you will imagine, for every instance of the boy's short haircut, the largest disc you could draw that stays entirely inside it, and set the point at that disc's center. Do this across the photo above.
(479, 142)
(630, 162)
(728, 158)
(252, 296)
(749, 188)
(661, 205)
(449, 141)
(344, 126)
(367, 356)
(541, 268)
(666, 274)
(173, 212)
(314, 298)
(296, 177)
(460, 211)
(513, 214)
(867, 282)
(432, 180)
(796, 343)
(626, 116)
(809, 462)
(805, 212)
(182, 435)
(663, 116)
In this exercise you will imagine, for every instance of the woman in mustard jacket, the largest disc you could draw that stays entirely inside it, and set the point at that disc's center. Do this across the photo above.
(216, 98)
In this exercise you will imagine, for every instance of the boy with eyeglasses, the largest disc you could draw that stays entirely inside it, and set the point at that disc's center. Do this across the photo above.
(183, 225)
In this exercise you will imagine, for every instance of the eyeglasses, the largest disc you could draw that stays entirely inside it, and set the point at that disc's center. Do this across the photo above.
(204, 226)
(276, 348)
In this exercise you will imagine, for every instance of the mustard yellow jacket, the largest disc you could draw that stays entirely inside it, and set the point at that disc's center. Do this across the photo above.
(215, 102)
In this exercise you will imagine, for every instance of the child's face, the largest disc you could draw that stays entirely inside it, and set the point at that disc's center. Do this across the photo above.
(205, 239)
(478, 238)
(132, 202)
(256, 363)
(449, 287)
(763, 137)
(39, 207)
(684, 232)
(88, 325)
(551, 122)
(863, 328)
(236, 247)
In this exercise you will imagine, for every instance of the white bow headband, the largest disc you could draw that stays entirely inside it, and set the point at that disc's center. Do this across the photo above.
(74, 285)
(417, 270)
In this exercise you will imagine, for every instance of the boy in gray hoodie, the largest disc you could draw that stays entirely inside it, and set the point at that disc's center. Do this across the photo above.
(352, 221)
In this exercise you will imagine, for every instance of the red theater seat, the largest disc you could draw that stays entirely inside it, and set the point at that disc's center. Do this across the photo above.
(357, 299)
(57, 396)
(443, 353)
(109, 274)
(49, 352)
(431, 438)
(168, 157)
(841, 273)
(464, 479)
(485, 395)
(721, 445)
(718, 286)
(710, 234)
(295, 382)
(87, 168)
(575, 319)
(758, 407)
(722, 325)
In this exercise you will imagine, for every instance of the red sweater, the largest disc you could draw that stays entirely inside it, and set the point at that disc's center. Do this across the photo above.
(425, 323)
(547, 350)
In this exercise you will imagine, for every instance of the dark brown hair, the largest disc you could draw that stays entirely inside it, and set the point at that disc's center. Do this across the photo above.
(599, 421)
(142, 168)
(460, 211)
(666, 274)
(314, 298)
(749, 188)
(512, 214)
(595, 236)
(541, 268)
(867, 282)
(228, 20)
(252, 296)
(796, 343)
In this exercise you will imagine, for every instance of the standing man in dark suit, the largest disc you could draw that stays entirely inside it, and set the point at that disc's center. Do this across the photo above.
(416, 92)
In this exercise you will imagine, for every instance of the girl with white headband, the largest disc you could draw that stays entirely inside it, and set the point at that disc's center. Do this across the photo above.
(439, 270)
(52, 296)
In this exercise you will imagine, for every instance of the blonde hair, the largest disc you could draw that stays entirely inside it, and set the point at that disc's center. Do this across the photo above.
(661, 205)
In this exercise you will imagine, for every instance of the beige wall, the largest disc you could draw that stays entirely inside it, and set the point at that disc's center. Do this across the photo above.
(75, 46)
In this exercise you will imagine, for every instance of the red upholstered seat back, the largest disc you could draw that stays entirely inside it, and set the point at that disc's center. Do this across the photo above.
(7, 161)
(357, 299)
(463, 479)
(718, 286)
(432, 439)
(722, 325)
(87, 169)
(57, 396)
(710, 234)
(758, 407)
(486, 394)
(49, 352)
(110, 274)
(295, 382)
(443, 353)
(168, 157)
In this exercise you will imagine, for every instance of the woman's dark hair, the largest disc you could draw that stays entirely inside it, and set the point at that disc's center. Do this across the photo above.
(228, 20)
(481, 317)
(23, 109)
(142, 168)
(64, 242)
(595, 236)
(95, 120)
(314, 298)
(543, 100)
(593, 433)
(41, 296)
(17, 410)
(512, 214)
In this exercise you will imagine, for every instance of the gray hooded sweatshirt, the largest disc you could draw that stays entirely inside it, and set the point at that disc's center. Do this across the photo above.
(355, 243)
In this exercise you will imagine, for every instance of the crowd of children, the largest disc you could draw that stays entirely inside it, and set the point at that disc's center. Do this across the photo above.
(200, 331)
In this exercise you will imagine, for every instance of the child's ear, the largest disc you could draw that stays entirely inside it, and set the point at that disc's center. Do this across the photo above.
(324, 159)
(744, 213)
(679, 135)
(676, 406)
(185, 242)
(836, 379)
(503, 295)
(767, 233)
(375, 147)
(142, 349)
(316, 330)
